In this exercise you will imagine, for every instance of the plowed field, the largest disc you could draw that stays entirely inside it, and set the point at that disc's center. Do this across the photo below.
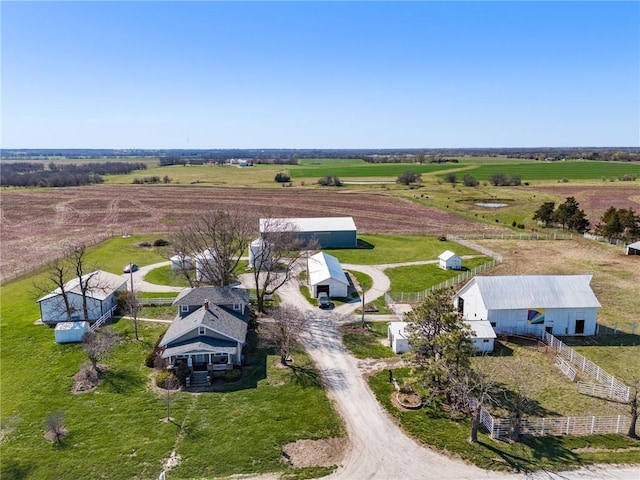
(36, 223)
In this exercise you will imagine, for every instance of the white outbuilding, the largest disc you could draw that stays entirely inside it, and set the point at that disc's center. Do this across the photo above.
(325, 274)
(483, 335)
(531, 304)
(633, 248)
(448, 260)
(259, 254)
(181, 261)
(70, 332)
(398, 338)
(205, 264)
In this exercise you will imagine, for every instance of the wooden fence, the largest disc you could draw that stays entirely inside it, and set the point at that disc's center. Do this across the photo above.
(556, 426)
(614, 388)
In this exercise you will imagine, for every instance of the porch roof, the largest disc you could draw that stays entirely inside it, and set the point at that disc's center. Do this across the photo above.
(201, 346)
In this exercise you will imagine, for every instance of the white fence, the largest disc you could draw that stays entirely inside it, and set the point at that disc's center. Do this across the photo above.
(599, 238)
(617, 390)
(565, 368)
(156, 301)
(556, 426)
(101, 321)
(512, 236)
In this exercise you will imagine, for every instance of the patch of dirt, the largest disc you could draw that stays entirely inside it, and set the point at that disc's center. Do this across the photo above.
(311, 453)
(88, 379)
(52, 437)
(371, 366)
(596, 450)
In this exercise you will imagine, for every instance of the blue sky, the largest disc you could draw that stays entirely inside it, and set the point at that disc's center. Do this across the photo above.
(320, 74)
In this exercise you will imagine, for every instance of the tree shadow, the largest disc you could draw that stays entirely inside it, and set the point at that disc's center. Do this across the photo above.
(501, 350)
(607, 337)
(306, 376)
(551, 448)
(121, 381)
(15, 469)
(504, 397)
(515, 462)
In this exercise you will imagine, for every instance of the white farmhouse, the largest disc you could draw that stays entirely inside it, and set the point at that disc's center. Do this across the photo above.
(531, 304)
(325, 274)
(448, 260)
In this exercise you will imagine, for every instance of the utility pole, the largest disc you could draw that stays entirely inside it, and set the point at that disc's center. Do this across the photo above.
(362, 285)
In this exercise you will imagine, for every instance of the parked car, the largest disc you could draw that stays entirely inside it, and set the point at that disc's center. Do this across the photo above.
(132, 267)
(323, 300)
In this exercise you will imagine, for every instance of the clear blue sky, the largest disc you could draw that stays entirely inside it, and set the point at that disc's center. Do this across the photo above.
(320, 75)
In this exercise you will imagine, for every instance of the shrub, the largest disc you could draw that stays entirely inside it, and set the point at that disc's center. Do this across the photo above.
(166, 379)
(160, 242)
(330, 181)
(469, 181)
(628, 177)
(521, 226)
(514, 223)
(232, 375)
(282, 177)
(144, 245)
(451, 178)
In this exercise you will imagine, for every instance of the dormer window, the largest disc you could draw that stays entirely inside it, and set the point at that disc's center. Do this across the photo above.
(184, 308)
(201, 330)
(237, 307)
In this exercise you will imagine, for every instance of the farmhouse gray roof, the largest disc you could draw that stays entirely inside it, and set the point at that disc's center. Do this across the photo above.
(101, 285)
(215, 295)
(206, 344)
(215, 318)
(507, 292)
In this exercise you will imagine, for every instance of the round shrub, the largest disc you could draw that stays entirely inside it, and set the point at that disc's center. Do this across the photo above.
(161, 242)
(232, 375)
(166, 379)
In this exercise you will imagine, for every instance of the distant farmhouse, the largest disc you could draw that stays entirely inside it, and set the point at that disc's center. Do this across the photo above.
(531, 304)
(325, 274)
(101, 296)
(329, 232)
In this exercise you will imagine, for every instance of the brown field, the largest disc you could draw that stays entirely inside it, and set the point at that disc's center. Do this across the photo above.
(36, 223)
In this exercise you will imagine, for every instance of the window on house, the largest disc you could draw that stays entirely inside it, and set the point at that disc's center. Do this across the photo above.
(236, 307)
(485, 340)
(184, 308)
(201, 330)
(493, 324)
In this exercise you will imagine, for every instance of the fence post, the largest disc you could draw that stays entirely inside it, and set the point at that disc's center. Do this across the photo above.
(593, 423)
(618, 425)
(568, 423)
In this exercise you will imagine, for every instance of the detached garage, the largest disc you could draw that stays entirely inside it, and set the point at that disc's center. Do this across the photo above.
(328, 232)
(325, 274)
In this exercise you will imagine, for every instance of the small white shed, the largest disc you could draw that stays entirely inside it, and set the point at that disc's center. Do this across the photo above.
(483, 335)
(181, 261)
(326, 275)
(70, 332)
(448, 260)
(205, 263)
(398, 338)
(259, 254)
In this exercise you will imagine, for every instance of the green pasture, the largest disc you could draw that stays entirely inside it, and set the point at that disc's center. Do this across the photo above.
(556, 171)
(364, 342)
(385, 249)
(389, 171)
(416, 278)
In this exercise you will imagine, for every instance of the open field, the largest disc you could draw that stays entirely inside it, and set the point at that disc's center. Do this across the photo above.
(35, 223)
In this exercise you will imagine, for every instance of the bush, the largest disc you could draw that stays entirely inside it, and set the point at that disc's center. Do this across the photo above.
(330, 181)
(166, 379)
(232, 375)
(144, 245)
(521, 226)
(161, 243)
(470, 181)
(514, 223)
(282, 177)
(628, 177)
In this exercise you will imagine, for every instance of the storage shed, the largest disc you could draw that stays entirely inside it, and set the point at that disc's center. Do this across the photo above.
(328, 232)
(70, 332)
(448, 260)
(633, 248)
(205, 264)
(181, 261)
(531, 304)
(483, 335)
(398, 338)
(259, 254)
(325, 274)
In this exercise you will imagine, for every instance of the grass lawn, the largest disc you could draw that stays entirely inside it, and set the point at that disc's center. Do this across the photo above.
(166, 276)
(365, 342)
(437, 429)
(416, 278)
(382, 249)
(116, 432)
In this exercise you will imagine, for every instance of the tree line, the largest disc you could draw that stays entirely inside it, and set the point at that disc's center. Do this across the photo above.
(25, 174)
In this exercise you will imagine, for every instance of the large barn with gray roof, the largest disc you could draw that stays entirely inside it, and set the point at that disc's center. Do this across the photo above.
(531, 304)
(328, 232)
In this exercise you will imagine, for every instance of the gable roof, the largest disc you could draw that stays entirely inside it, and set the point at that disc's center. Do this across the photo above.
(215, 295)
(635, 245)
(446, 255)
(315, 224)
(198, 346)
(217, 319)
(101, 285)
(323, 266)
(507, 292)
(481, 328)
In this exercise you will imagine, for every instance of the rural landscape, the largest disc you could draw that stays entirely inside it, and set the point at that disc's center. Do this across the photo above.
(284, 417)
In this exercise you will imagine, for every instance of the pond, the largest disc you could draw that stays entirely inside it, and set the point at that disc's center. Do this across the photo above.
(491, 204)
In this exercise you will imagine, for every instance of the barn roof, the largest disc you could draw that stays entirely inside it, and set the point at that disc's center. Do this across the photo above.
(323, 267)
(101, 285)
(635, 245)
(446, 255)
(507, 292)
(315, 224)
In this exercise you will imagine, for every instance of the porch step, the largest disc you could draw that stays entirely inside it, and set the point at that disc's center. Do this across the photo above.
(199, 379)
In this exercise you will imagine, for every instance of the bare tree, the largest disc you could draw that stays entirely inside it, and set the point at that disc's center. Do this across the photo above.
(54, 426)
(632, 378)
(58, 274)
(517, 397)
(171, 383)
(129, 304)
(281, 252)
(215, 241)
(284, 333)
(77, 256)
(96, 344)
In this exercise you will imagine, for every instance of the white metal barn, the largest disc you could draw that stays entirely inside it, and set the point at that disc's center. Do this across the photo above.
(531, 304)
(398, 338)
(325, 274)
(70, 332)
(633, 248)
(483, 335)
(101, 298)
(448, 260)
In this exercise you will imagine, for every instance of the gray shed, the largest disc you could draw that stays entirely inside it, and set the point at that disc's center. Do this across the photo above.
(329, 232)
(70, 332)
